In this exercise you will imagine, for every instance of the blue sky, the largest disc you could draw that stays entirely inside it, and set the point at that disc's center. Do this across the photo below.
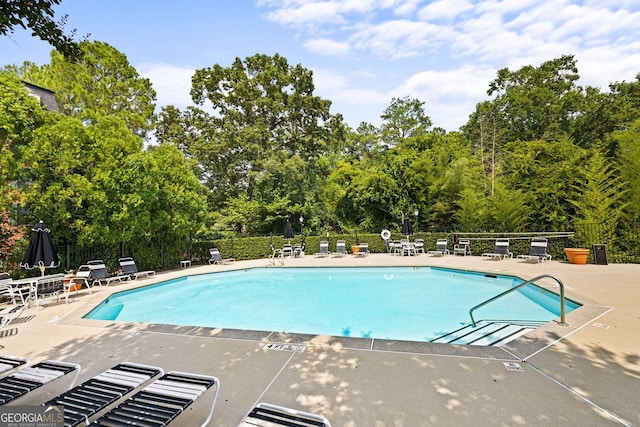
(362, 52)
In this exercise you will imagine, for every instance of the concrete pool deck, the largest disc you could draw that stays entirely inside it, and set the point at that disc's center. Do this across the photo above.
(585, 374)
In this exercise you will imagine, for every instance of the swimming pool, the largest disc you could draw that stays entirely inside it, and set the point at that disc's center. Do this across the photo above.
(401, 303)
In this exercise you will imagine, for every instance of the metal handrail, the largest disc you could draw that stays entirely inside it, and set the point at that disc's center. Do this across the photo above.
(562, 316)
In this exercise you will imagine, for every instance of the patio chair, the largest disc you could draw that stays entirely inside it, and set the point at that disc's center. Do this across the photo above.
(408, 248)
(162, 401)
(538, 251)
(92, 396)
(287, 250)
(9, 293)
(441, 248)
(30, 378)
(501, 250)
(100, 275)
(463, 247)
(216, 258)
(129, 268)
(265, 414)
(49, 286)
(418, 244)
(324, 249)
(341, 248)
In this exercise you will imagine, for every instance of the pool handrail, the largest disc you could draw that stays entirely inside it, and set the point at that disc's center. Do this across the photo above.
(542, 276)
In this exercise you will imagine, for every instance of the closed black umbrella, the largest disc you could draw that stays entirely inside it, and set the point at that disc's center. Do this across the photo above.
(288, 231)
(407, 230)
(41, 252)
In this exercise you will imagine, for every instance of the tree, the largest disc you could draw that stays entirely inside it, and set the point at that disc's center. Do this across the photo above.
(403, 118)
(600, 204)
(38, 15)
(265, 135)
(547, 173)
(532, 103)
(101, 84)
(20, 115)
(628, 155)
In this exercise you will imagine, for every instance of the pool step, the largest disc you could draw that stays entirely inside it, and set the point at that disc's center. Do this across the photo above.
(489, 332)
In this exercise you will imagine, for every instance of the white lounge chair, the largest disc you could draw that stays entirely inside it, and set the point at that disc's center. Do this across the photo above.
(538, 251)
(265, 414)
(441, 248)
(30, 378)
(501, 250)
(324, 249)
(160, 402)
(129, 268)
(216, 258)
(92, 396)
(341, 249)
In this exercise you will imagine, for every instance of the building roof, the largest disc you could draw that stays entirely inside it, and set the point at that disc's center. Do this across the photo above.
(46, 97)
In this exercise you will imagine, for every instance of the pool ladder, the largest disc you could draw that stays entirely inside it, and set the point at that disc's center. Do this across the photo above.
(528, 282)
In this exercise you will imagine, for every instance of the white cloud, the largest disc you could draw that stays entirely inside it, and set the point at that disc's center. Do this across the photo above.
(444, 9)
(171, 83)
(327, 47)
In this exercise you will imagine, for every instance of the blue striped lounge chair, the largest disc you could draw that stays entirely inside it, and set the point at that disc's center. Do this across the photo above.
(501, 250)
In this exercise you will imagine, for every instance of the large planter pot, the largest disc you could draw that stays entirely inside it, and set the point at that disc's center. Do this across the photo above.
(576, 255)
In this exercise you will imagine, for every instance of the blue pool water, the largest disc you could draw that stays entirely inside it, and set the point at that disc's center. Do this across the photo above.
(403, 303)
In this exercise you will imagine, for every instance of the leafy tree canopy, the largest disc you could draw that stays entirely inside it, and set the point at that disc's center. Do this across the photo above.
(38, 16)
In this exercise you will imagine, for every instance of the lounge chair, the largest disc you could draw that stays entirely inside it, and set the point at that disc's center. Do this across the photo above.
(216, 258)
(159, 403)
(129, 268)
(92, 396)
(360, 250)
(501, 250)
(419, 246)
(11, 363)
(100, 275)
(30, 378)
(265, 414)
(341, 249)
(538, 251)
(324, 249)
(441, 248)
(463, 247)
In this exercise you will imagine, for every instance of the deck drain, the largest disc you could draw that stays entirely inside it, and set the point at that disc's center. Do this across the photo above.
(285, 347)
(512, 366)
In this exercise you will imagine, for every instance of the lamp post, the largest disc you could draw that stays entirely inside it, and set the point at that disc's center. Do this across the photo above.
(301, 219)
(416, 212)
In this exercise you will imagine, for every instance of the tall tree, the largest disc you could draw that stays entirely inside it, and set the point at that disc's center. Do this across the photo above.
(101, 84)
(38, 16)
(266, 131)
(403, 118)
(533, 103)
(20, 115)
